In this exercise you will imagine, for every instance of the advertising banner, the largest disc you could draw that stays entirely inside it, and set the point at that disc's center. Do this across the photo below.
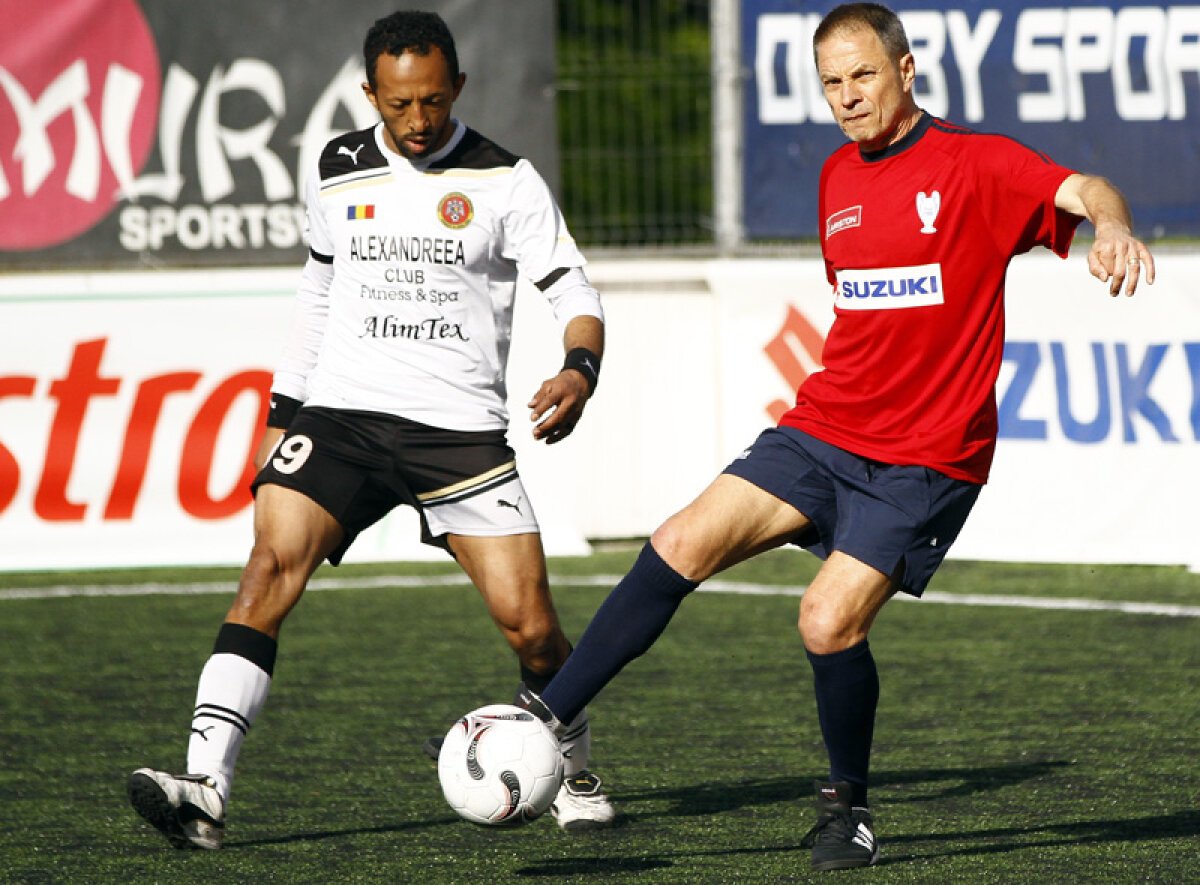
(153, 133)
(1098, 401)
(1106, 89)
(131, 405)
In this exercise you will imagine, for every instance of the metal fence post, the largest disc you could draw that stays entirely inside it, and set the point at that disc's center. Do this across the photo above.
(725, 28)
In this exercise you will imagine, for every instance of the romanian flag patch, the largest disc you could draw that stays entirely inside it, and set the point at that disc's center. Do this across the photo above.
(356, 212)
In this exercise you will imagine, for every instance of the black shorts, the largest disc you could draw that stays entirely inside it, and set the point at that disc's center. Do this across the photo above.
(880, 514)
(359, 466)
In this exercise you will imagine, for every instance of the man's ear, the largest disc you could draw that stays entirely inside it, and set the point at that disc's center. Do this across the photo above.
(370, 94)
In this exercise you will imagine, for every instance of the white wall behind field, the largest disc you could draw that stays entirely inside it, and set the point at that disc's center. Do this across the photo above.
(687, 382)
(698, 352)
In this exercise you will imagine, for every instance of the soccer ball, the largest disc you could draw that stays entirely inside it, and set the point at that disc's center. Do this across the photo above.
(500, 766)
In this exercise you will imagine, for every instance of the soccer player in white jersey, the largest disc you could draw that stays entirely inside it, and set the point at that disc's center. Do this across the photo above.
(391, 391)
(878, 464)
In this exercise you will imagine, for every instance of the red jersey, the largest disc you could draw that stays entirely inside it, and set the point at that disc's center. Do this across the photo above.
(917, 239)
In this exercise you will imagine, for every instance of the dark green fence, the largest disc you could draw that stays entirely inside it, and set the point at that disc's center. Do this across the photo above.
(634, 119)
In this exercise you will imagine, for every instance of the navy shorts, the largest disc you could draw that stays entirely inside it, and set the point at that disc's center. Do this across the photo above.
(883, 515)
(361, 465)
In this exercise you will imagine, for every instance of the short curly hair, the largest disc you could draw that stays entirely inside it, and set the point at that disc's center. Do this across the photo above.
(409, 31)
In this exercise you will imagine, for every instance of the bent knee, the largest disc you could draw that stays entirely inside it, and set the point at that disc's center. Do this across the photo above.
(267, 590)
(264, 563)
(527, 623)
(540, 645)
(824, 630)
(677, 547)
(265, 572)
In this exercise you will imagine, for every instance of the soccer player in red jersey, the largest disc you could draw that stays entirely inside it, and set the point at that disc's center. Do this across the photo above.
(878, 464)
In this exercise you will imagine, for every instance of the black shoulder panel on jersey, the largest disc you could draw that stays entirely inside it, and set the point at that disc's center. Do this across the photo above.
(954, 129)
(476, 152)
(950, 128)
(352, 152)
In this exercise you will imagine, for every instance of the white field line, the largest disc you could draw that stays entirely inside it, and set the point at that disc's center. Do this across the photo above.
(736, 587)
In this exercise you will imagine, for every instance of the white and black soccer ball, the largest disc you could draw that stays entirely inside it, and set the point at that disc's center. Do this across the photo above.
(500, 766)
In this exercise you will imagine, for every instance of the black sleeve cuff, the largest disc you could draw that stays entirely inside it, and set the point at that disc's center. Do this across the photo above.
(283, 410)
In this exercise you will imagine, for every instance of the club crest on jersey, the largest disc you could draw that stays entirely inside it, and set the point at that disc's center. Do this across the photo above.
(839, 221)
(927, 210)
(455, 211)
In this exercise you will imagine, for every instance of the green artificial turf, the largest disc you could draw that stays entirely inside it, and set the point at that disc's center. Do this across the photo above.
(1012, 744)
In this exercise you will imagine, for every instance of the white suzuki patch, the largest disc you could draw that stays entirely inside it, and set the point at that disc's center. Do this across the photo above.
(889, 288)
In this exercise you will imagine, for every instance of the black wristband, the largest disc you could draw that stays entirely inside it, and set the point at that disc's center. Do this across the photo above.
(585, 363)
(283, 410)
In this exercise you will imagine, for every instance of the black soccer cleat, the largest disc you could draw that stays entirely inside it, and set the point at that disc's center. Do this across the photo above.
(844, 837)
(433, 747)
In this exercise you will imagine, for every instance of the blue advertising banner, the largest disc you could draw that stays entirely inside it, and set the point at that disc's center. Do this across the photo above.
(1105, 89)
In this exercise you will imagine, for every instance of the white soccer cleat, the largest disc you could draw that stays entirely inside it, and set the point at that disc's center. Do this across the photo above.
(186, 808)
(581, 806)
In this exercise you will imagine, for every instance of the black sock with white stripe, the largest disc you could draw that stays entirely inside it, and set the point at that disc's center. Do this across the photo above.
(232, 689)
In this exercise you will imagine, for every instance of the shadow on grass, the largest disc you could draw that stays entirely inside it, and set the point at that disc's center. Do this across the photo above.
(1184, 824)
(942, 783)
(714, 798)
(319, 835)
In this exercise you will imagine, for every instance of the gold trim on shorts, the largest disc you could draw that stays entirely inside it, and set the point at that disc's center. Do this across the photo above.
(438, 496)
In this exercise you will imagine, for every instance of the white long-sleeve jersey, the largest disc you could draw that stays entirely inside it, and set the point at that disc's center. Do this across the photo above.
(405, 305)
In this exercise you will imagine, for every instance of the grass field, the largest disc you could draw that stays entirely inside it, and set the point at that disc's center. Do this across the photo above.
(1013, 744)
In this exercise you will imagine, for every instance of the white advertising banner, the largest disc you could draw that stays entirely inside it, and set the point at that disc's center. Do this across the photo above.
(130, 404)
(1099, 403)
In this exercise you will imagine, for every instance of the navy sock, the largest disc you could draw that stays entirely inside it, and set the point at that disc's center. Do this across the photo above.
(623, 628)
(847, 688)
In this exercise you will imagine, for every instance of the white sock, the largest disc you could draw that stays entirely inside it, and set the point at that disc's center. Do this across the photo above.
(577, 744)
(229, 695)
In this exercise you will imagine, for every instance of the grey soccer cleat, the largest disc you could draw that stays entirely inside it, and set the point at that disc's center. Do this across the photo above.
(187, 808)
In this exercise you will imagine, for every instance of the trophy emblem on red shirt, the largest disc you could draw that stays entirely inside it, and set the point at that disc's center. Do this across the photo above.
(927, 210)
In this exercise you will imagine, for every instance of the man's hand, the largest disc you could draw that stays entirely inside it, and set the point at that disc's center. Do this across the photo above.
(270, 439)
(558, 405)
(1117, 257)
(1120, 259)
